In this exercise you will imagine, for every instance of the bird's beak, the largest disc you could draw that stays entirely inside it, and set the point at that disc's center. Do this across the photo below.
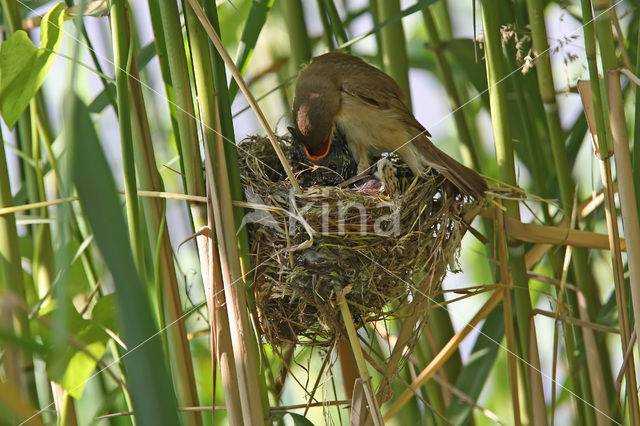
(293, 131)
(324, 150)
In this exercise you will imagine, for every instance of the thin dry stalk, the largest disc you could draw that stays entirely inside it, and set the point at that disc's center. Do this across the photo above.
(415, 312)
(507, 287)
(317, 383)
(374, 407)
(245, 90)
(563, 281)
(596, 378)
(626, 191)
(625, 361)
(234, 291)
(574, 321)
(446, 352)
(615, 250)
(348, 366)
(220, 340)
(585, 208)
(556, 235)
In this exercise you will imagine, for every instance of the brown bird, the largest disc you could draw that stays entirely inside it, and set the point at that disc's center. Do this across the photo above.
(338, 91)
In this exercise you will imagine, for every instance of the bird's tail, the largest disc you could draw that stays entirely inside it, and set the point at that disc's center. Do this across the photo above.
(468, 181)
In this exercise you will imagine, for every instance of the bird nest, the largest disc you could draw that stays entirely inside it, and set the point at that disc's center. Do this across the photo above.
(309, 247)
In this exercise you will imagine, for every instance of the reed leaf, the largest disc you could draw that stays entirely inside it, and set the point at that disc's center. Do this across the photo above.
(149, 383)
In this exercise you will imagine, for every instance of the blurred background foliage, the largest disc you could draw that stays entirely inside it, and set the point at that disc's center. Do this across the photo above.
(103, 292)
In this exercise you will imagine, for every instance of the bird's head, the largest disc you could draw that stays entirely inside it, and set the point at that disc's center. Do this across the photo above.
(313, 114)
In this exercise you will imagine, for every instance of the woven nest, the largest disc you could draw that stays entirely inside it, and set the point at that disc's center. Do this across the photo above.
(309, 247)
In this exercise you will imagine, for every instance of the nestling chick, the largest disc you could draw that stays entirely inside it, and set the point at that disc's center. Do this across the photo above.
(341, 92)
(336, 166)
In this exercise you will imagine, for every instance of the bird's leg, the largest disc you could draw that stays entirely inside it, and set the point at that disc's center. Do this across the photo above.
(363, 159)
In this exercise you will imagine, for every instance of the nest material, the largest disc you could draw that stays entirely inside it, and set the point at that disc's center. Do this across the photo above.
(308, 247)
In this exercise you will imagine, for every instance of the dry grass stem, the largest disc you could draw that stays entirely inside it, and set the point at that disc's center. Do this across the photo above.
(442, 356)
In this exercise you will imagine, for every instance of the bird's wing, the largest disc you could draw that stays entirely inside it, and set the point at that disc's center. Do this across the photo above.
(365, 93)
(380, 91)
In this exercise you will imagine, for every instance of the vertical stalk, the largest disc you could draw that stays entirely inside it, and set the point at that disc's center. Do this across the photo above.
(375, 15)
(235, 294)
(636, 136)
(626, 196)
(327, 34)
(374, 407)
(207, 77)
(222, 347)
(468, 148)
(122, 54)
(12, 318)
(162, 54)
(185, 113)
(336, 22)
(219, 189)
(298, 35)
(43, 262)
(507, 288)
(10, 251)
(602, 10)
(212, 64)
(506, 172)
(178, 345)
(581, 270)
(395, 61)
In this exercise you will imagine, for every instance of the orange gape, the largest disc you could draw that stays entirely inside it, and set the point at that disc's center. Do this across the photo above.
(324, 150)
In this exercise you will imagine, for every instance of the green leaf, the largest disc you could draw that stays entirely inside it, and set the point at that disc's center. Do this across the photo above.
(300, 420)
(252, 28)
(23, 67)
(76, 362)
(151, 391)
(476, 371)
(105, 314)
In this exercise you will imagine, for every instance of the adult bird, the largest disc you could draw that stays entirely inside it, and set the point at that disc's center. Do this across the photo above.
(341, 92)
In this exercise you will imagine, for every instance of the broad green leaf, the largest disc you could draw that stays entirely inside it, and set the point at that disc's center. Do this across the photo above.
(150, 388)
(76, 362)
(23, 67)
